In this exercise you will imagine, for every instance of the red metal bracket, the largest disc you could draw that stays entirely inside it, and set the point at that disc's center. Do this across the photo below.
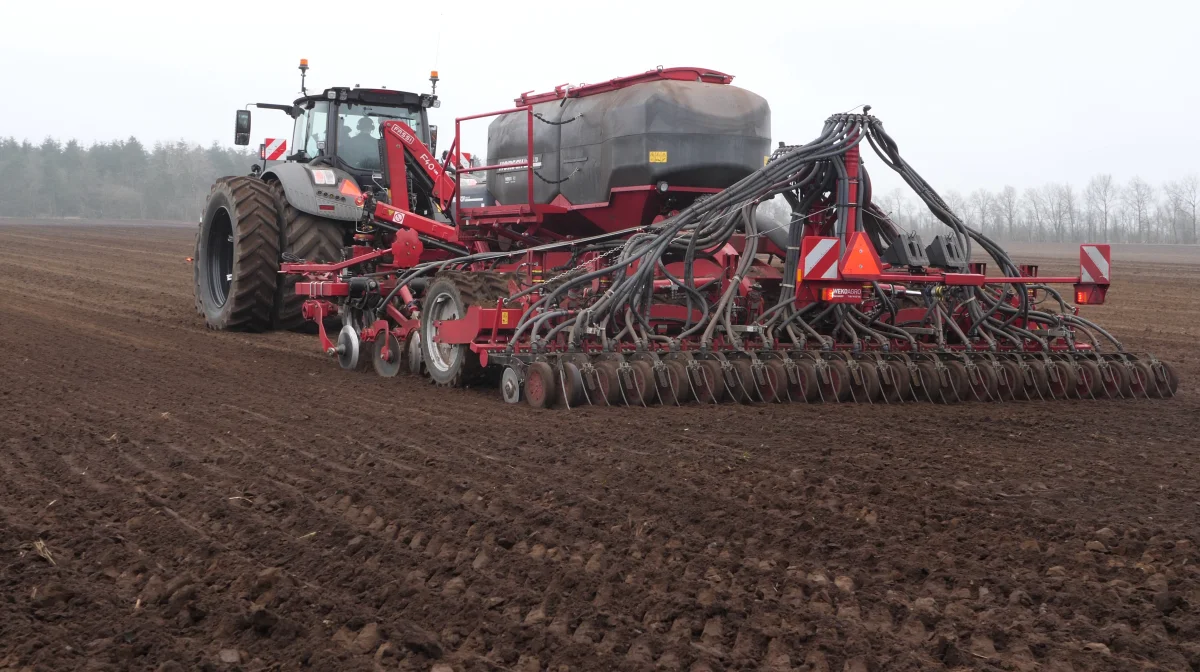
(398, 217)
(467, 328)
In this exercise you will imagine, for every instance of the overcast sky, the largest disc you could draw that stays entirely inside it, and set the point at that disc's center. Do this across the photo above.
(977, 93)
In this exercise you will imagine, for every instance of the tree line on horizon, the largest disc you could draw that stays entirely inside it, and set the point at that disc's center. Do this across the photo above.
(122, 179)
(125, 179)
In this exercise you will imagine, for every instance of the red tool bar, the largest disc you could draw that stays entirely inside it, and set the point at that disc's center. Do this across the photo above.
(322, 289)
(522, 108)
(333, 268)
(497, 166)
(1002, 280)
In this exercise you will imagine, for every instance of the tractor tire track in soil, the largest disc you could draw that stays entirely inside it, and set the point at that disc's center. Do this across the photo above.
(173, 498)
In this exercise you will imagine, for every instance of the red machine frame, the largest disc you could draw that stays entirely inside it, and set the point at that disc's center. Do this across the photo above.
(487, 329)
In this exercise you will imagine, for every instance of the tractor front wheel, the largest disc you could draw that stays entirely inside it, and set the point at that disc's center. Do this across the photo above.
(236, 260)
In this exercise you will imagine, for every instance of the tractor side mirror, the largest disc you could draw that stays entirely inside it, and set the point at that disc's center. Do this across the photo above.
(241, 128)
(433, 140)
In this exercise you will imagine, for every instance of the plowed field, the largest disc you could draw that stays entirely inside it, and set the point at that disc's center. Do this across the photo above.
(173, 498)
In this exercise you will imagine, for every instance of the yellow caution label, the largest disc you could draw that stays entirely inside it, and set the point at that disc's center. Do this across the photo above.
(658, 157)
(766, 159)
(504, 317)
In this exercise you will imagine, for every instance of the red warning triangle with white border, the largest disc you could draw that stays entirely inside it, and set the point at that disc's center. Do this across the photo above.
(861, 262)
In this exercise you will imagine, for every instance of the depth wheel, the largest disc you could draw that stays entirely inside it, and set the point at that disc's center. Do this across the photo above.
(866, 388)
(836, 387)
(541, 385)
(1088, 384)
(984, 384)
(835, 383)
(931, 383)
(1009, 385)
(572, 384)
(805, 387)
(897, 383)
(386, 366)
(608, 381)
(1164, 382)
(710, 382)
(1039, 386)
(1115, 380)
(775, 380)
(1062, 380)
(640, 388)
(960, 384)
(743, 389)
(676, 390)
(1140, 379)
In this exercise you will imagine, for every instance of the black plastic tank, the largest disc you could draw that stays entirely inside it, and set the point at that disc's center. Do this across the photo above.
(687, 127)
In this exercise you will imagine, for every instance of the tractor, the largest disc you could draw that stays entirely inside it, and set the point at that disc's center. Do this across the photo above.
(305, 206)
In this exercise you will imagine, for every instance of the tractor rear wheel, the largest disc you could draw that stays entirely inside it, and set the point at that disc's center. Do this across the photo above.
(237, 256)
(314, 239)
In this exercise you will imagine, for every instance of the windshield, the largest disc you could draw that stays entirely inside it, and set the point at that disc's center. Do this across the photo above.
(359, 128)
(309, 134)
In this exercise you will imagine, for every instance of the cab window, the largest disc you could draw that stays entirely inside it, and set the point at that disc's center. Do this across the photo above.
(360, 128)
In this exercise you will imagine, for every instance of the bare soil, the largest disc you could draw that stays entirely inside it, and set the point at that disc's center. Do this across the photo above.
(176, 499)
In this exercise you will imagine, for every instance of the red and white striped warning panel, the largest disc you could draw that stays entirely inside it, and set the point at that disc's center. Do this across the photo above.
(274, 149)
(818, 258)
(1094, 262)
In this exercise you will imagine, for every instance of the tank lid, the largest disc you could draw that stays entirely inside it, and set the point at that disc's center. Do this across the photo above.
(660, 73)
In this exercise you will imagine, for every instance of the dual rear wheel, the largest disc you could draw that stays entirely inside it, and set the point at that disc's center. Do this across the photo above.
(247, 228)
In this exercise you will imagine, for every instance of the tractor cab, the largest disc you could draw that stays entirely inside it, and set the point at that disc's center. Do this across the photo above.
(343, 126)
(338, 140)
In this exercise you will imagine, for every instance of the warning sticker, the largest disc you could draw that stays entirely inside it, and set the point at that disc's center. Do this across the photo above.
(658, 157)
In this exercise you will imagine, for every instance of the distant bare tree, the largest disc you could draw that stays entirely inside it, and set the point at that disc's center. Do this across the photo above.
(958, 204)
(1102, 194)
(1186, 195)
(1070, 206)
(1052, 199)
(1035, 204)
(981, 206)
(1008, 208)
(1174, 211)
(895, 202)
(1139, 196)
